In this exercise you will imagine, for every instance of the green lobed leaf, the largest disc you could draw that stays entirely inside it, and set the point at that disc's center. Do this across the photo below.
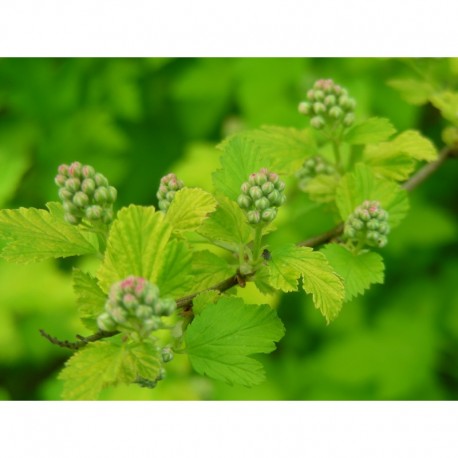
(208, 269)
(447, 103)
(373, 130)
(221, 338)
(285, 147)
(413, 91)
(361, 185)
(136, 246)
(322, 188)
(106, 363)
(189, 208)
(203, 299)
(174, 277)
(240, 158)
(358, 271)
(227, 224)
(89, 298)
(397, 159)
(34, 235)
(288, 264)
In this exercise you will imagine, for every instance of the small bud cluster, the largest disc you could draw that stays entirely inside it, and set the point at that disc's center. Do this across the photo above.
(261, 196)
(134, 304)
(312, 167)
(170, 184)
(328, 103)
(85, 194)
(368, 224)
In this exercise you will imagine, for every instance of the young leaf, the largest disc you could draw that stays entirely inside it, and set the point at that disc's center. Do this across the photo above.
(136, 246)
(285, 147)
(106, 363)
(396, 159)
(227, 224)
(189, 208)
(222, 337)
(174, 276)
(373, 130)
(361, 185)
(358, 271)
(34, 235)
(208, 269)
(290, 263)
(447, 103)
(89, 298)
(240, 158)
(322, 188)
(413, 91)
(203, 299)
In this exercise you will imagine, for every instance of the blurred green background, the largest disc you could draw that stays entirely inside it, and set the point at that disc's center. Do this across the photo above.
(138, 119)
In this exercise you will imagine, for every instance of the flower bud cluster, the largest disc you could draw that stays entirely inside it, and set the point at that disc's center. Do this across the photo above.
(261, 196)
(312, 167)
(170, 184)
(85, 194)
(328, 103)
(368, 224)
(134, 304)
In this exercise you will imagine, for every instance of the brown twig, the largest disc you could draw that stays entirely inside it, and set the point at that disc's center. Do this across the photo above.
(83, 341)
(185, 303)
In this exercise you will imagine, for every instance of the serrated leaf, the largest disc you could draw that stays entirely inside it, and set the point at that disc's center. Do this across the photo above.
(136, 246)
(447, 103)
(106, 363)
(227, 224)
(285, 147)
(34, 235)
(361, 185)
(204, 299)
(89, 298)
(240, 158)
(359, 271)
(208, 269)
(189, 208)
(397, 159)
(322, 188)
(413, 91)
(373, 130)
(221, 338)
(174, 278)
(288, 264)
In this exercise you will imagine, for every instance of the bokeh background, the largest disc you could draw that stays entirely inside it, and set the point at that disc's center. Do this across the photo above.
(138, 119)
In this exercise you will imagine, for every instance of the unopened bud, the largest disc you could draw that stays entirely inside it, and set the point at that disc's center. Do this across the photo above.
(167, 354)
(304, 108)
(72, 219)
(255, 192)
(100, 180)
(106, 323)
(94, 212)
(254, 217)
(317, 122)
(349, 119)
(101, 195)
(88, 171)
(244, 201)
(73, 184)
(80, 199)
(269, 215)
(60, 180)
(88, 186)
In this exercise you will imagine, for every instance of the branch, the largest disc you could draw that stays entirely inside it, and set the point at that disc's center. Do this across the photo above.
(83, 341)
(185, 303)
